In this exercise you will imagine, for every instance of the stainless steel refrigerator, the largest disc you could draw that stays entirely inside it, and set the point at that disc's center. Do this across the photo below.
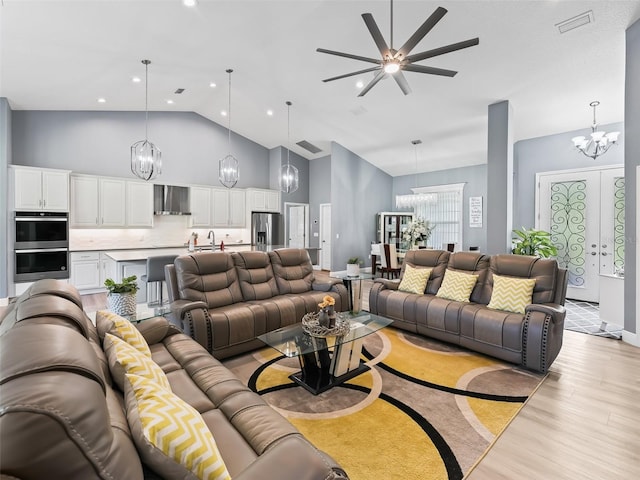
(267, 229)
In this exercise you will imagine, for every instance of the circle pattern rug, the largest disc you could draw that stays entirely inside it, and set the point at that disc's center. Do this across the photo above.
(425, 410)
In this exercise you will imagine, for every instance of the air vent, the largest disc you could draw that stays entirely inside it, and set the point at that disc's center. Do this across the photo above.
(309, 146)
(575, 22)
(179, 91)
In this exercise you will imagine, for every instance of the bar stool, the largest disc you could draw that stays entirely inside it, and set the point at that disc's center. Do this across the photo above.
(155, 274)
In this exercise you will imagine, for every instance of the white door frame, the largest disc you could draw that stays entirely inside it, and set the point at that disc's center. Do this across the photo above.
(324, 259)
(287, 206)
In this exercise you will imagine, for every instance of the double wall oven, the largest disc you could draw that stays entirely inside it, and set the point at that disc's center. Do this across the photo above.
(41, 245)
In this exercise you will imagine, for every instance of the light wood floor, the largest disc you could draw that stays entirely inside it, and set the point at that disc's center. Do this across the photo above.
(582, 423)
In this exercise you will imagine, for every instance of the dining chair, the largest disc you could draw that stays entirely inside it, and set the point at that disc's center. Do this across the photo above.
(389, 261)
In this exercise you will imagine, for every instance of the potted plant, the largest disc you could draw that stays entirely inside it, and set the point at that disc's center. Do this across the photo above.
(533, 242)
(353, 266)
(121, 296)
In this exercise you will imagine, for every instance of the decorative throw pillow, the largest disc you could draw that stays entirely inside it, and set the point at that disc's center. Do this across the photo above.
(457, 286)
(414, 280)
(123, 358)
(109, 322)
(511, 294)
(170, 434)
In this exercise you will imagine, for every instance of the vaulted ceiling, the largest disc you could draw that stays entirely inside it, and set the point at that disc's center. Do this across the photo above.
(64, 55)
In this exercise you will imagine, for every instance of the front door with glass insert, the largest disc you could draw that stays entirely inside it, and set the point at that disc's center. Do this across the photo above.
(584, 211)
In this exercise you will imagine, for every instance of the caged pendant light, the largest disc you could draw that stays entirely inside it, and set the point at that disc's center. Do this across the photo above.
(146, 158)
(228, 171)
(288, 173)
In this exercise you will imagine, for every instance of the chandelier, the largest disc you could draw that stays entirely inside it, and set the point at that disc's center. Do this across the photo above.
(146, 158)
(599, 141)
(228, 171)
(288, 173)
(415, 199)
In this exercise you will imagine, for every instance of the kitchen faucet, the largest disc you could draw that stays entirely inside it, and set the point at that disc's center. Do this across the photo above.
(212, 236)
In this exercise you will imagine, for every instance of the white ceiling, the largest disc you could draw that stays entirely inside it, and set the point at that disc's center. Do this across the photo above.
(64, 55)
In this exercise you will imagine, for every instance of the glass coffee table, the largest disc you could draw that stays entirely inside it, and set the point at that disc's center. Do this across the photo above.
(143, 312)
(355, 294)
(326, 361)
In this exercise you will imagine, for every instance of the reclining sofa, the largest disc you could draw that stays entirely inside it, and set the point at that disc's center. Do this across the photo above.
(531, 339)
(225, 300)
(62, 417)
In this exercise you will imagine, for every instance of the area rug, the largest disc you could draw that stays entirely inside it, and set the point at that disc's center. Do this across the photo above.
(426, 410)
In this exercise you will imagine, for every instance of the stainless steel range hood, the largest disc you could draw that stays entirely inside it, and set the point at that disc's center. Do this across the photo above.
(170, 200)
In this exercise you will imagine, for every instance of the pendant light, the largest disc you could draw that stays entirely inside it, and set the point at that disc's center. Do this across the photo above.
(146, 158)
(228, 171)
(415, 199)
(288, 173)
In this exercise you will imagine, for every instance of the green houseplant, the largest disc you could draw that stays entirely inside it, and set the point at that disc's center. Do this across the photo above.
(121, 296)
(533, 242)
(353, 266)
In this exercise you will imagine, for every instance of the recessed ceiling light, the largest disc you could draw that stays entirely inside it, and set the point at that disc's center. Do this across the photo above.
(170, 102)
(102, 100)
(270, 113)
(136, 79)
(189, 3)
(223, 113)
(212, 85)
(359, 84)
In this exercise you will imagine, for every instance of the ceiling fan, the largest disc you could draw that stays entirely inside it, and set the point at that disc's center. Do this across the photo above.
(395, 61)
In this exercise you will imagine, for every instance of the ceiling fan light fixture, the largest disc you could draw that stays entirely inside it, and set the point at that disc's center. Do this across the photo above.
(392, 67)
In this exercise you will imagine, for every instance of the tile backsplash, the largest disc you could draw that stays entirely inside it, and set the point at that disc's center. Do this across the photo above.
(167, 231)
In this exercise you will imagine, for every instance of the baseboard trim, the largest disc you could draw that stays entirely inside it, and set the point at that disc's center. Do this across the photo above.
(631, 338)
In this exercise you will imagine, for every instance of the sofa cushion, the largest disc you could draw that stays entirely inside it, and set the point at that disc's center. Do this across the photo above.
(255, 275)
(414, 280)
(511, 294)
(435, 259)
(123, 358)
(292, 269)
(171, 436)
(457, 286)
(209, 277)
(544, 270)
(109, 322)
(477, 264)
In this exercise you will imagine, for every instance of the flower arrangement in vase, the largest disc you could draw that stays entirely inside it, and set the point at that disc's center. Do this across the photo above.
(418, 230)
(327, 314)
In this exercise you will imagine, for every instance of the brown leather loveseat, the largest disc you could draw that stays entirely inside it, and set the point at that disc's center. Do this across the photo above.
(531, 339)
(62, 416)
(225, 300)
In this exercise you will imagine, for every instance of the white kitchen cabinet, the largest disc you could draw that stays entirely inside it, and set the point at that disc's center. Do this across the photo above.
(40, 189)
(85, 207)
(139, 204)
(200, 199)
(262, 200)
(108, 268)
(237, 208)
(85, 270)
(112, 202)
(138, 269)
(220, 207)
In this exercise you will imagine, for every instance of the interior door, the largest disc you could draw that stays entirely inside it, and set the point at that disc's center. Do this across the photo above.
(296, 226)
(325, 236)
(578, 208)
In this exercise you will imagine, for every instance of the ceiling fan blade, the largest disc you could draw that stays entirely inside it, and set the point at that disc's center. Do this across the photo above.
(442, 50)
(366, 70)
(429, 70)
(402, 82)
(348, 55)
(379, 76)
(425, 28)
(375, 33)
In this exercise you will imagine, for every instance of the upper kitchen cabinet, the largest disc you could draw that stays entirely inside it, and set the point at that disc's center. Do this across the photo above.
(40, 189)
(110, 203)
(261, 200)
(200, 199)
(217, 207)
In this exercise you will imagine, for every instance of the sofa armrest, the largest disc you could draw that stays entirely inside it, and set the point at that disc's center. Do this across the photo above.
(552, 309)
(293, 459)
(388, 284)
(180, 307)
(195, 321)
(325, 285)
(156, 329)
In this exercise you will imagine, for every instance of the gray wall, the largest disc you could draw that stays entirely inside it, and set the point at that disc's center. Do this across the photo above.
(548, 154)
(475, 180)
(358, 191)
(99, 143)
(5, 157)
(632, 161)
(319, 192)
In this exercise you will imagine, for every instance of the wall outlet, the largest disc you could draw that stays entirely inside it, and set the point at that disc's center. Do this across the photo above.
(337, 235)
(315, 234)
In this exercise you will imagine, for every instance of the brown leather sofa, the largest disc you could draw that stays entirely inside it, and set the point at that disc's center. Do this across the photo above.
(61, 417)
(532, 339)
(225, 300)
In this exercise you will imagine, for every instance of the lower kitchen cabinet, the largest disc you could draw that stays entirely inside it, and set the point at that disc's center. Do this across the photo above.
(85, 270)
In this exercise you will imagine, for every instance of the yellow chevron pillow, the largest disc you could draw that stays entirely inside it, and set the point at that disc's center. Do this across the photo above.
(414, 280)
(457, 285)
(511, 294)
(109, 322)
(123, 358)
(170, 434)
